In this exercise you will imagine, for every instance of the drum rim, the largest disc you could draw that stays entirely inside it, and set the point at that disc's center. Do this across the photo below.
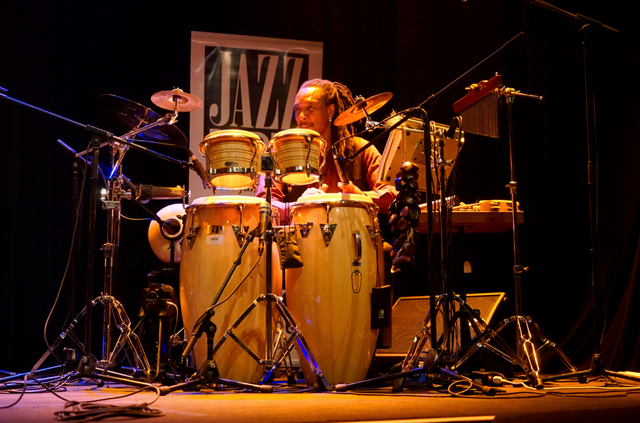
(233, 135)
(333, 198)
(280, 136)
(225, 170)
(227, 200)
(295, 169)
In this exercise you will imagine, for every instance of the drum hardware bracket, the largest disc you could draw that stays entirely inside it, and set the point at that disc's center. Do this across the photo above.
(327, 232)
(373, 234)
(304, 228)
(193, 233)
(241, 234)
(108, 249)
(108, 204)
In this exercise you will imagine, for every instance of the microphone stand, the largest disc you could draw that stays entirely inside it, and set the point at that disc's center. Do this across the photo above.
(597, 366)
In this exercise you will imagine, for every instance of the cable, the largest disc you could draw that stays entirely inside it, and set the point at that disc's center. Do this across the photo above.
(69, 258)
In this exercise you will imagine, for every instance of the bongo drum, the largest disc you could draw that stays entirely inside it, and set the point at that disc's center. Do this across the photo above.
(233, 158)
(211, 243)
(299, 155)
(330, 296)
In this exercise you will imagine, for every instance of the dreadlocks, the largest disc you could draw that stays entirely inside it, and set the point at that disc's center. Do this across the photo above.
(340, 96)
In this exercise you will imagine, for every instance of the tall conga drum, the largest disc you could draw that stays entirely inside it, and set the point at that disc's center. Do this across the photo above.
(330, 296)
(215, 230)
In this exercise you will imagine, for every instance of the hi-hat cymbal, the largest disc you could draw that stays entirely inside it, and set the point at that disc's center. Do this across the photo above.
(357, 111)
(169, 100)
(133, 116)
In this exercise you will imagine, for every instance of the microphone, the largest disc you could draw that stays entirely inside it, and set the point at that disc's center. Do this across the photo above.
(144, 193)
(261, 230)
(197, 166)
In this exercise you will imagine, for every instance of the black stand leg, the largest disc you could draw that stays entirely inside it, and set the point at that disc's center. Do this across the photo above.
(597, 366)
(209, 373)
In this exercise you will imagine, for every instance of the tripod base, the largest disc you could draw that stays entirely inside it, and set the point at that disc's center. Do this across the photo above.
(596, 368)
(295, 339)
(87, 370)
(210, 375)
(527, 357)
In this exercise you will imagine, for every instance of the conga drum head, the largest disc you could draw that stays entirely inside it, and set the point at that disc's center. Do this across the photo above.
(233, 158)
(299, 155)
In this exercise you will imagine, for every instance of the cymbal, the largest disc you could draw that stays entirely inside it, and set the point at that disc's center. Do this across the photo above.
(133, 115)
(356, 112)
(168, 100)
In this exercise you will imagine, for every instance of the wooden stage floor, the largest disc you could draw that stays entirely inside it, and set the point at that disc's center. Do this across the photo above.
(598, 400)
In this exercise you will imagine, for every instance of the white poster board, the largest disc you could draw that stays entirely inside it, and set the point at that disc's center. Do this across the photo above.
(246, 83)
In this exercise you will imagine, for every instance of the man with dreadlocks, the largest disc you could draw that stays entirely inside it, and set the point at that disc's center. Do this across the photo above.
(317, 104)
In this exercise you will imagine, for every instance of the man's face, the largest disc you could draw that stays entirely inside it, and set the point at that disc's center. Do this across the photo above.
(312, 112)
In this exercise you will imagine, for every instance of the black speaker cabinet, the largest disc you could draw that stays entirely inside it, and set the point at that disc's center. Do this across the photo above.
(408, 316)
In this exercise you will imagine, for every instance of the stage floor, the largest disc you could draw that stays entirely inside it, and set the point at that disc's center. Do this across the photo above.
(599, 400)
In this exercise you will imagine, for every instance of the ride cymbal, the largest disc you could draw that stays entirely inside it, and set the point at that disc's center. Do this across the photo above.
(357, 111)
(133, 115)
(176, 98)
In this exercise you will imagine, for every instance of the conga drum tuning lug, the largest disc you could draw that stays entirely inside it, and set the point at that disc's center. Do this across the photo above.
(327, 232)
(304, 228)
(191, 238)
(240, 234)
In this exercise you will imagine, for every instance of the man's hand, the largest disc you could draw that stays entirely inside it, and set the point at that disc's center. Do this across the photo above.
(350, 188)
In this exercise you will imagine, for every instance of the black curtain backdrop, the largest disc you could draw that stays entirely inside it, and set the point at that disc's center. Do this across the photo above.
(61, 57)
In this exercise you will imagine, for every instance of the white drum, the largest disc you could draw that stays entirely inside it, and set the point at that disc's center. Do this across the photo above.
(211, 244)
(234, 158)
(299, 155)
(330, 296)
(163, 240)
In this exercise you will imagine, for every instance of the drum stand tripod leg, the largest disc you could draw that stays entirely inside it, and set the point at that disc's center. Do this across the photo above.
(295, 339)
(298, 340)
(209, 373)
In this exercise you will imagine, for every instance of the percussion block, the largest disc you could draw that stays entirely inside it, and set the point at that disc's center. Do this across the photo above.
(408, 316)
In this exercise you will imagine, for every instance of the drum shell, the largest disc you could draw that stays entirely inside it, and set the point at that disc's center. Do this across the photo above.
(298, 156)
(206, 263)
(233, 158)
(335, 319)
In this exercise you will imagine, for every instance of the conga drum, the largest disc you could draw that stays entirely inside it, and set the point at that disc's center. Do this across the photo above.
(330, 296)
(234, 158)
(213, 239)
(299, 155)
